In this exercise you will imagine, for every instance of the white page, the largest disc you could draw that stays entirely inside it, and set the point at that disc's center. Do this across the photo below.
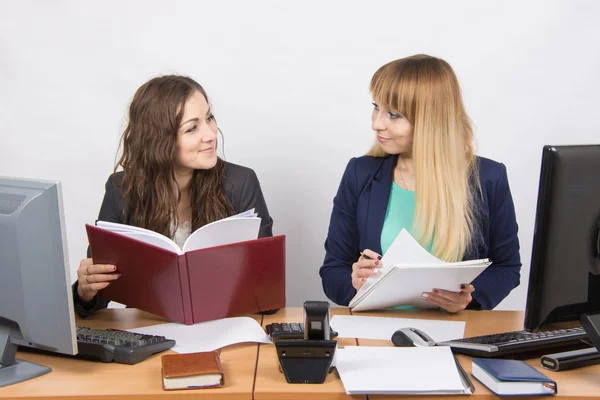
(141, 234)
(397, 370)
(224, 231)
(153, 240)
(351, 326)
(404, 286)
(209, 335)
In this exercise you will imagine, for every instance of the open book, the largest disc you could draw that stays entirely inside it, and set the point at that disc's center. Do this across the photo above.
(222, 270)
(237, 228)
(407, 270)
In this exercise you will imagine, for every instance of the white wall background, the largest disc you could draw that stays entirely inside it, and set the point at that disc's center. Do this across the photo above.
(289, 86)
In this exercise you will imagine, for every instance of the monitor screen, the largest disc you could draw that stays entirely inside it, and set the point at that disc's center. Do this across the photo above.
(36, 307)
(564, 280)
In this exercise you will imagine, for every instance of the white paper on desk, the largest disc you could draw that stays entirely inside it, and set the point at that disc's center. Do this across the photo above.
(398, 370)
(210, 335)
(382, 328)
(407, 270)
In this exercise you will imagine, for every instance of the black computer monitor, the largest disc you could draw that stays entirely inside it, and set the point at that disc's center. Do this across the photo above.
(564, 280)
(36, 307)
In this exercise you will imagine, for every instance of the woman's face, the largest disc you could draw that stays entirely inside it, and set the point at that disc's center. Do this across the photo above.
(197, 135)
(393, 131)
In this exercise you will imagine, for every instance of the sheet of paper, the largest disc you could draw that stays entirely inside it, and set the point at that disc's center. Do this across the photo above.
(210, 335)
(351, 326)
(398, 370)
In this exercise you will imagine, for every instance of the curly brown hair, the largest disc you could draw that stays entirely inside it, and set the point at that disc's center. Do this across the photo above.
(150, 192)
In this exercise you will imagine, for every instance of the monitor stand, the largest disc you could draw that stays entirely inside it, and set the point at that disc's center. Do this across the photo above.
(13, 370)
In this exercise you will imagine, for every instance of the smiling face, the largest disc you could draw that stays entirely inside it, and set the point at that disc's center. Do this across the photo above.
(197, 136)
(393, 131)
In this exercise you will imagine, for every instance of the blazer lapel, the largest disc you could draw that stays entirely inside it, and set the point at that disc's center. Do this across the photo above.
(378, 202)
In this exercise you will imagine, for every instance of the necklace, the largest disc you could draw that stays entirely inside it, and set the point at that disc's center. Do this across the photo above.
(400, 172)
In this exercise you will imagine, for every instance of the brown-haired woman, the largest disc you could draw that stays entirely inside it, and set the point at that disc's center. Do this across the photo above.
(172, 181)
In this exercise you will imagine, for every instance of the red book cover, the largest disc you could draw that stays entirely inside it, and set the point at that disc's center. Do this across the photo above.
(196, 286)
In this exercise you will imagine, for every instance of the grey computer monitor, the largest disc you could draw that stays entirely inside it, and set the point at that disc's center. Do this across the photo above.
(36, 307)
(564, 280)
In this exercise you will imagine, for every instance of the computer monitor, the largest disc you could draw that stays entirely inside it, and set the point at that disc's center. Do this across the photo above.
(36, 307)
(564, 280)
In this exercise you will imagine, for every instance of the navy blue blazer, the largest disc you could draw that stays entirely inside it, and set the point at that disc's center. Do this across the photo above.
(357, 221)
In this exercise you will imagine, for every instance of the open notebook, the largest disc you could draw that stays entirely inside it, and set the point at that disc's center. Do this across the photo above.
(407, 271)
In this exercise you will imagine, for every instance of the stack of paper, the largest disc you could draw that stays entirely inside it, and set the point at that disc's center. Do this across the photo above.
(407, 271)
(400, 370)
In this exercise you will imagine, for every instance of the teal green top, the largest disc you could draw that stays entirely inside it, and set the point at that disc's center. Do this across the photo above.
(399, 215)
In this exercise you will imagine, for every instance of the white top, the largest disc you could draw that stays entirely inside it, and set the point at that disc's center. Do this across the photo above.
(184, 230)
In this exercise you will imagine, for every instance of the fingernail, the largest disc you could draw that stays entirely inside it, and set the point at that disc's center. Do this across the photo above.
(118, 275)
(424, 295)
(462, 286)
(375, 271)
(379, 257)
(114, 268)
(376, 262)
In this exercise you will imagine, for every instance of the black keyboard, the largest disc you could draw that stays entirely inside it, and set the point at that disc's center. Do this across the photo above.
(513, 343)
(108, 345)
(291, 330)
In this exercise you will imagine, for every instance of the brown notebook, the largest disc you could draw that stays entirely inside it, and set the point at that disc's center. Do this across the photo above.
(192, 371)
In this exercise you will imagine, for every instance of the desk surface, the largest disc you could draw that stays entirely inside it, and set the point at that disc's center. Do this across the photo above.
(253, 369)
(81, 379)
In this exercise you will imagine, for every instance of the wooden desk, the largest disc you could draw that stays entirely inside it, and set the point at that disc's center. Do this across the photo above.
(253, 370)
(80, 379)
(581, 383)
(270, 382)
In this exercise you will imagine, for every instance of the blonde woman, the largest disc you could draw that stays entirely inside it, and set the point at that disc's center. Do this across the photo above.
(422, 175)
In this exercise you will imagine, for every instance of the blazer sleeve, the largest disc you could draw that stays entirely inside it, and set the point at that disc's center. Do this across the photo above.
(252, 197)
(503, 275)
(342, 243)
(110, 211)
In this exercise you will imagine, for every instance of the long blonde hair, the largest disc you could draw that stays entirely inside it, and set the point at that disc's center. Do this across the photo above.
(425, 90)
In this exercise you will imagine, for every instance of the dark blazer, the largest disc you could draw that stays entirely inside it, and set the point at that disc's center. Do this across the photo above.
(242, 189)
(357, 221)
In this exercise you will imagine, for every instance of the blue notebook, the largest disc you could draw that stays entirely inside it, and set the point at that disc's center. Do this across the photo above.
(511, 377)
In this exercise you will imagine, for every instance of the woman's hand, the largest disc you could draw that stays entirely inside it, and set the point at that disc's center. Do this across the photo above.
(450, 301)
(93, 277)
(365, 267)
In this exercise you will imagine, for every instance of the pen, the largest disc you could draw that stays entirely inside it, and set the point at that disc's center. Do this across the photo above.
(366, 257)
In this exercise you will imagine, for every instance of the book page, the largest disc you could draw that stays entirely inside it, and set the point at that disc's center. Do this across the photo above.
(141, 234)
(224, 231)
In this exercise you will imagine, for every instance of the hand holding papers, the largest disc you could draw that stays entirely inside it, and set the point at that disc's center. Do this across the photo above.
(407, 271)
